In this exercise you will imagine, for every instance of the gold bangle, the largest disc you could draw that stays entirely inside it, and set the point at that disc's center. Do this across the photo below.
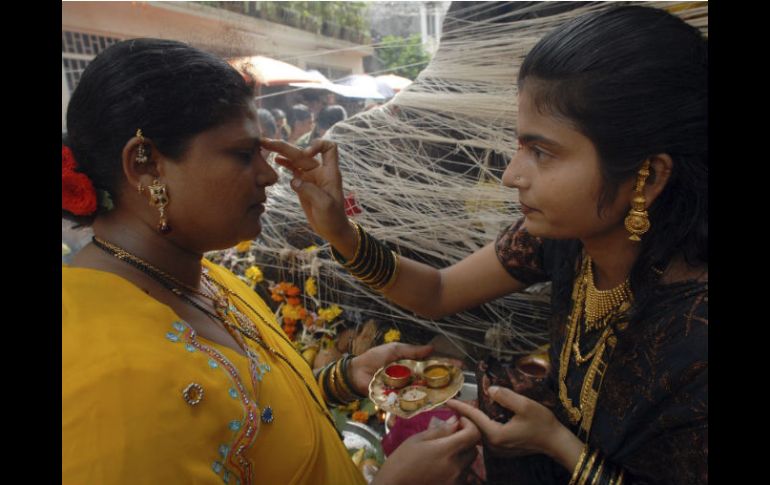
(620, 477)
(358, 230)
(587, 470)
(383, 274)
(598, 472)
(389, 284)
(387, 271)
(350, 395)
(353, 265)
(372, 265)
(578, 465)
(333, 386)
(339, 258)
(344, 394)
(321, 377)
(380, 265)
(330, 392)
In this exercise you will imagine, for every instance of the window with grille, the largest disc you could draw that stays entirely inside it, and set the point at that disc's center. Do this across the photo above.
(77, 50)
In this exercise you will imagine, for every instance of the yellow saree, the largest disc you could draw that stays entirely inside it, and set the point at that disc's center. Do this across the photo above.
(126, 361)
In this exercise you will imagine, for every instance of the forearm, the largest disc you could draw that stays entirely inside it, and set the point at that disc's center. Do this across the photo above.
(565, 448)
(415, 286)
(586, 464)
(427, 291)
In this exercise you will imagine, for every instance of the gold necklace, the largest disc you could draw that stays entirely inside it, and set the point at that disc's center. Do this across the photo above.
(600, 303)
(602, 306)
(589, 393)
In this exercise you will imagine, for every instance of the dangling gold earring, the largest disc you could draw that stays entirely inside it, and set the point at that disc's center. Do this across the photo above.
(141, 151)
(637, 221)
(159, 199)
(140, 188)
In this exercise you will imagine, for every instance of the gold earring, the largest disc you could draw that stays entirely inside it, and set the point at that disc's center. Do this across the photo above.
(159, 199)
(141, 151)
(637, 221)
(140, 188)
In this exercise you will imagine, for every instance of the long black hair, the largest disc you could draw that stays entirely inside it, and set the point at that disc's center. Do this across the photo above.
(170, 90)
(634, 81)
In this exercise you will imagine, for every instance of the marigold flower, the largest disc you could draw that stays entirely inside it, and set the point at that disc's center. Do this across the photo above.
(361, 416)
(243, 246)
(279, 291)
(293, 312)
(329, 314)
(310, 287)
(293, 300)
(392, 335)
(254, 275)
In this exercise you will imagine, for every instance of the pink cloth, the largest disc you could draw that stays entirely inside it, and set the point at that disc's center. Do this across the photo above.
(404, 428)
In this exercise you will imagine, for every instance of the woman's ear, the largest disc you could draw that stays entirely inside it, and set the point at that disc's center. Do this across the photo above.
(141, 163)
(660, 173)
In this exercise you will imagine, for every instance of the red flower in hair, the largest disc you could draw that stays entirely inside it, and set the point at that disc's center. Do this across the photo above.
(67, 160)
(78, 195)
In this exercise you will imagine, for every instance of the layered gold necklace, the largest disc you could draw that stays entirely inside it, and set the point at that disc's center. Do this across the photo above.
(596, 310)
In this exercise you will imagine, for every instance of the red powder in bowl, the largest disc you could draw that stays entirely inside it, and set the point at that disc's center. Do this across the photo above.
(397, 371)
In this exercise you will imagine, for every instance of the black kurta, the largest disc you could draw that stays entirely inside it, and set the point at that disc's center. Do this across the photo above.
(651, 418)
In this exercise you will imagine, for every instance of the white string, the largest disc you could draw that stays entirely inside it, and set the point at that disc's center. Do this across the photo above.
(391, 159)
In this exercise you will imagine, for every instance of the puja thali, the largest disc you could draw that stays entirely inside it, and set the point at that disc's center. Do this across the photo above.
(407, 388)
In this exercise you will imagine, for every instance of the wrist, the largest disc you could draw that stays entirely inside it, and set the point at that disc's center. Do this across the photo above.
(346, 241)
(352, 365)
(563, 446)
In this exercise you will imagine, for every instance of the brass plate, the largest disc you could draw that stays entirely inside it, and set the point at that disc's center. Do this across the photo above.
(436, 397)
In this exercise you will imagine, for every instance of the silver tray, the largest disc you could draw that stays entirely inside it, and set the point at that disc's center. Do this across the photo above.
(356, 436)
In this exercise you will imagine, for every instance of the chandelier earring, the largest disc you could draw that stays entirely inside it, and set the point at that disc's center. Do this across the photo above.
(637, 221)
(159, 200)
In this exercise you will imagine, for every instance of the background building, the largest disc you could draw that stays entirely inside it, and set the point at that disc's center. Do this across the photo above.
(230, 29)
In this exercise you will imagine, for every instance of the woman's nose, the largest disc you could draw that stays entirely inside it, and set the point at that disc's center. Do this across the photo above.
(266, 175)
(512, 176)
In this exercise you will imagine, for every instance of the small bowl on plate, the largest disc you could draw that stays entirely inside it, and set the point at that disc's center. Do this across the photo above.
(412, 398)
(397, 376)
(437, 375)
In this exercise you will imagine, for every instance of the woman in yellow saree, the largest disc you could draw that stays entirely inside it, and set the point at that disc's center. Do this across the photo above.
(173, 370)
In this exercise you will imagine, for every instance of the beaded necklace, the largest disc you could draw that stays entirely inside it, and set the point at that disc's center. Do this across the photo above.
(224, 312)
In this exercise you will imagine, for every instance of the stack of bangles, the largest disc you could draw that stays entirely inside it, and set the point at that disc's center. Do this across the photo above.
(334, 382)
(593, 469)
(373, 263)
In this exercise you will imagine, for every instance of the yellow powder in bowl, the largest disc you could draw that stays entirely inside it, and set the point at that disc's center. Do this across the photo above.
(437, 372)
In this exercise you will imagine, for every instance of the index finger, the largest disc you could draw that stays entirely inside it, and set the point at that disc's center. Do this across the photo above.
(299, 158)
(468, 435)
(487, 426)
